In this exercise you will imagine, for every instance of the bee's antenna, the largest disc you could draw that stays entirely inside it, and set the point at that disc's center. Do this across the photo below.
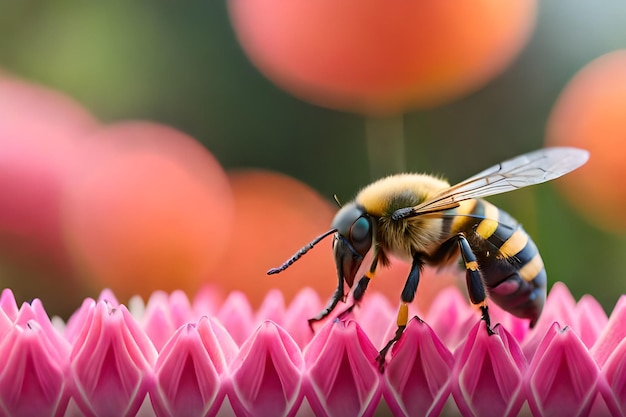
(337, 200)
(301, 252)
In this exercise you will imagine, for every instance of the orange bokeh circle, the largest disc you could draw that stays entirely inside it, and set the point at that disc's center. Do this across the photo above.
(377, 56)
(591, 114)
(275, 215)
(147, 208)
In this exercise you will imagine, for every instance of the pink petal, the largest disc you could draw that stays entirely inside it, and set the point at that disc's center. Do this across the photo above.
(591, 320)
(560, 307)
(612, 335)
(188, 371)
(207, 301)
(35, 312)
(237, 316)
(108, 296)
(164, 314)
(6, 324)
(266, 375)
(33, 373)
(488, 375)
(272, 308)
(614, 372)
(342, 377)
(516, 326)
(377, 318)
(306, 304)
(562, 378)
(451, 316)
(8, 303)
(111, 362)
(418, 373)
(76, 322)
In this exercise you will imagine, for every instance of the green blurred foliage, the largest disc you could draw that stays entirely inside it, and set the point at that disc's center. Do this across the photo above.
(180, 64)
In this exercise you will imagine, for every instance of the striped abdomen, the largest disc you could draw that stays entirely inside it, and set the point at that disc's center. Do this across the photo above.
(512, 268)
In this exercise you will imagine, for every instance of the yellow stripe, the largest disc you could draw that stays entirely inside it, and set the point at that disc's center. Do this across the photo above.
(490, 224)
(514, 244)
(370, 274)
(465, 207)
(529, 271)
(403, 315)
(472, 265)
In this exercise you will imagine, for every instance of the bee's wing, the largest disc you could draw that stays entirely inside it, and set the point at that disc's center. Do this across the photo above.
(524, 170)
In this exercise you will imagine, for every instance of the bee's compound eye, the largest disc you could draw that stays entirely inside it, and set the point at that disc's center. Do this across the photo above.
(360, 230)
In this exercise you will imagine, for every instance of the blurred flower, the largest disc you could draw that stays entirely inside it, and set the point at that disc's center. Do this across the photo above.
(276, 215)
(104, 362)
(146, 208)
(591, 114)
(379, 57)
(39, 131)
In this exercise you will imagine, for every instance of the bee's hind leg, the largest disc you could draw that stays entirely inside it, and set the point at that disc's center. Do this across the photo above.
(475, 283)
(407, 296)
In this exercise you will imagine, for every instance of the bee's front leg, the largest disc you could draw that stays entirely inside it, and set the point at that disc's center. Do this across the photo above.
(361, 286)
(339, 294)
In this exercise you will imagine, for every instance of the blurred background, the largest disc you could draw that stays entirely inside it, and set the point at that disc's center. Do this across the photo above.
(183, 67)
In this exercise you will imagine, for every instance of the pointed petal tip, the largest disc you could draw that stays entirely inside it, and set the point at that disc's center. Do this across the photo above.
(107, 295)
(417, 375)
(8, 303)
(32, 364)
(342, 376)
(488, 366)
(111, 362)
(188, 381)
(266, 375)
(562, 376)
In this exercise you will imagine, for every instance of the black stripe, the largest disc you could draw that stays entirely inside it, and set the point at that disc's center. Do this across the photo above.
(527, 253)
(506, 227)
(470, 220)
(541, 279)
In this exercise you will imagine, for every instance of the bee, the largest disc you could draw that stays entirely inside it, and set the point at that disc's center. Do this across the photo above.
(425, 221)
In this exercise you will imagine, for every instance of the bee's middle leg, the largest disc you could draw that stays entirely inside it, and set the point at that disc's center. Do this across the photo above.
(357, 296)
(407, 296)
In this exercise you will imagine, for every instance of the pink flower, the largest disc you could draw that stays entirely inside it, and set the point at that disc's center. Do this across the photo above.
(173, 357)
(489, 374)
(112, 362)
(266, 375)
(418, 375)
(342, 380)
(191, 369)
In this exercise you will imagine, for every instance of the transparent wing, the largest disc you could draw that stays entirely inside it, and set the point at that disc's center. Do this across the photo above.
(524, 170)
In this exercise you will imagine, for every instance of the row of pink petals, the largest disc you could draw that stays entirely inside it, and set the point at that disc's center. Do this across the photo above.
(188, 357)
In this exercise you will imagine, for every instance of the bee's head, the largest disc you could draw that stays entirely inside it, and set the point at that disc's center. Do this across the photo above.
(353, 240)
(353, 236)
